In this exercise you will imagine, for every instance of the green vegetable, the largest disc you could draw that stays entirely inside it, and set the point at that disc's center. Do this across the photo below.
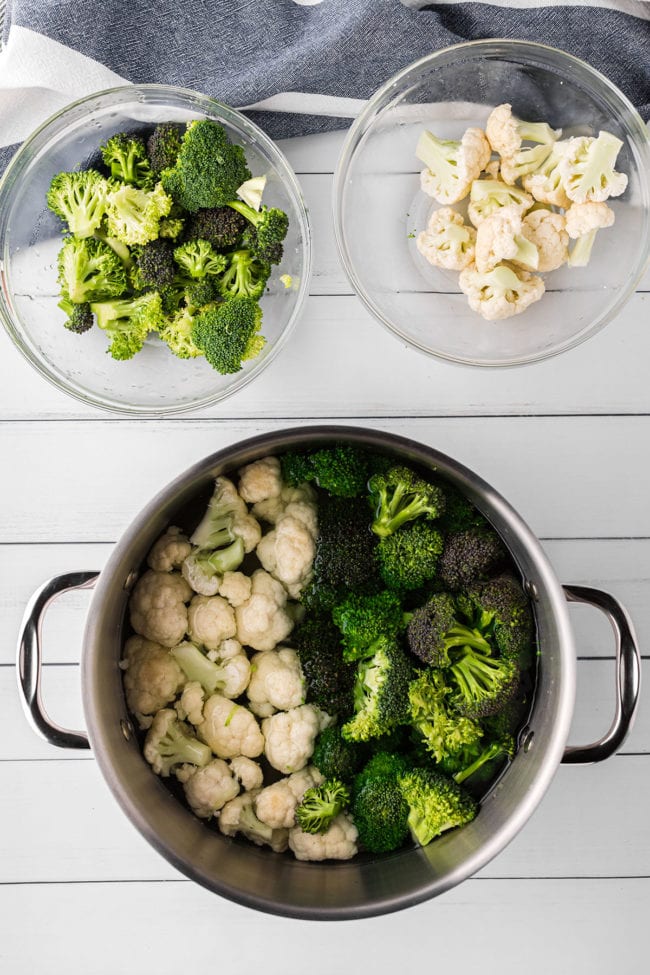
(197, 258)
(468, 556)
(436, 804)
(128, 321)
(228, 334)
(379, 809)
(154, 265)
(80, 200)
(89, 270)
(444, 732)
(163, 145)
(270, 227)
(126, 157)
(381, 692)
(177, 335)
(244, 275)
(329, 680)
(221, 226)
(320, 804)
(335, 757)
(362, 619)
(409, 557)
(80, 317)
(208, 168)
(134, 214)
(400, 495)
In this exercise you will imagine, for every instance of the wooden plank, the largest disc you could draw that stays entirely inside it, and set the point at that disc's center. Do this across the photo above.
(619, 566)
(600, 934)
(62, 698)
(564, 475)
(61, 823)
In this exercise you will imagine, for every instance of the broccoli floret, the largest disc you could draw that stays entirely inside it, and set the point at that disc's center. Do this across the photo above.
(163, 145)
(399, 496)
(125, 156)
(177, 335)
(335, 757)
(443, 732)
(80, 317)
(134, 214)
(270, 227)
(409, 558)
(89, 270)
(345, 553)
(363, 618)
(80, 199)
(459, 513)
(197, 258)
(381, 690)
(197, 667)
(483, 683)
(320, 804)
(379, 809)
(436, 804)
(171, 227)
(128, 321)
(208, 168)
(296, 467)
(221, 226)
(502, 611)
(469, 556)
(329, 681)
(203, 292)
(341, 470)
(154, 265)
(228, 334)
(245, 275)
(434, 630)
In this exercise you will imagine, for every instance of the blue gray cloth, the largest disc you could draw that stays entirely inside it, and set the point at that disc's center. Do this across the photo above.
(242, 51)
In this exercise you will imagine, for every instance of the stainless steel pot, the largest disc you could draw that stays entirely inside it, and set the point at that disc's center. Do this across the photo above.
(279, 884)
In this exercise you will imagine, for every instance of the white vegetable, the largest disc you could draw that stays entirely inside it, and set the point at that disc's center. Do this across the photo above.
(451, 166)
(190, 703)
(230, 729)
(260, 480)
(262, 621)
(238, 816)
(490, 195)
(583, 221)
(545, 182)
(287, 553)
(547, 231)
(339, 842)
(501, 292)
(251, 191)
(505, 132)
(277, 682)
(247, 772)
(169, 742)
(499, 238)
(228, 675)
(290, 736)
(209, 788)
(235, 587)
(152, 678)
(276, 804)
(157, 607)
(447, 242)
(587, 169)
(169, 551)
(211, 620)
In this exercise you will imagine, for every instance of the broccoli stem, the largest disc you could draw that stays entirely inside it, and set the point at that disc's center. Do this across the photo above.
(487, 755)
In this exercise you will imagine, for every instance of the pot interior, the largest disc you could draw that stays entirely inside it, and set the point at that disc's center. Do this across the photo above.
(278, 883)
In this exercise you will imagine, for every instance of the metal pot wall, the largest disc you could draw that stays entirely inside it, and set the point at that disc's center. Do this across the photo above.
(278, 883)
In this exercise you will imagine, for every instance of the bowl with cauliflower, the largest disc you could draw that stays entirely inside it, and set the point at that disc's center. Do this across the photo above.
(314, 667)
(510, 174)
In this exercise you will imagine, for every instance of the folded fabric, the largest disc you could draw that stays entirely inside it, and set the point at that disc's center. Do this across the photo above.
(297, 66)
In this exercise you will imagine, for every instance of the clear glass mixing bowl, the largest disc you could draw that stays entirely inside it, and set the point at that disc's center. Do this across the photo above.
(379, 207)
(154, 382)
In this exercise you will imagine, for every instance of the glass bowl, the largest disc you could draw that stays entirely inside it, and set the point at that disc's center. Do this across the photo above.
(154, 382)
(379, 207)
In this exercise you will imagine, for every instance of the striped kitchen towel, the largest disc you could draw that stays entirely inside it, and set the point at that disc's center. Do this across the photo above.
(298, 66)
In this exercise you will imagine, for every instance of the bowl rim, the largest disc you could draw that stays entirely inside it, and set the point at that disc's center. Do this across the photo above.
(360, 127)
(220, 111)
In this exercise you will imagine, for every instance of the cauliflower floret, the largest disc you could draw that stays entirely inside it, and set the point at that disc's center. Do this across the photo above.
(339, 842)
(260, 480)
(290, 736)
(211, 620)
(262, 621)
(545, 183)
(299, 502)
(230, 729)
(451, 166)
(238, 816)
(247, 772)
(209, 788)
(287, 553)
(277, 682)
(276, 804)
(524, 162)
(506, 132)
(547, 231)
(447, 242)
(200, 577)
(169, 742)
(235, 587)
(246, 527)
(587, 168)
(490, 195)
(169, 551)
(226, 516)
(157, 607)
(152, 678)
(583, 221)
(500, 293)
(190, 703)
(500, 238)
(229, 676)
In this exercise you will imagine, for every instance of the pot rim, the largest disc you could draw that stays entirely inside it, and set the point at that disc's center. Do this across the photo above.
(235, 455)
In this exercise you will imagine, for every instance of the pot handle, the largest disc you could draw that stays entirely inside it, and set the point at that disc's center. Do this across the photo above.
(628, 676)
(29, 659)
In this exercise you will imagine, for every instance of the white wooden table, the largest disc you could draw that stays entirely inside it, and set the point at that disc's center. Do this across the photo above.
(566, 441)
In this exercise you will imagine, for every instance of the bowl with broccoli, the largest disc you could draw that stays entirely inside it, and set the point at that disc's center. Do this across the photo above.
(155, 250)
(329, 673)
(514, 221)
